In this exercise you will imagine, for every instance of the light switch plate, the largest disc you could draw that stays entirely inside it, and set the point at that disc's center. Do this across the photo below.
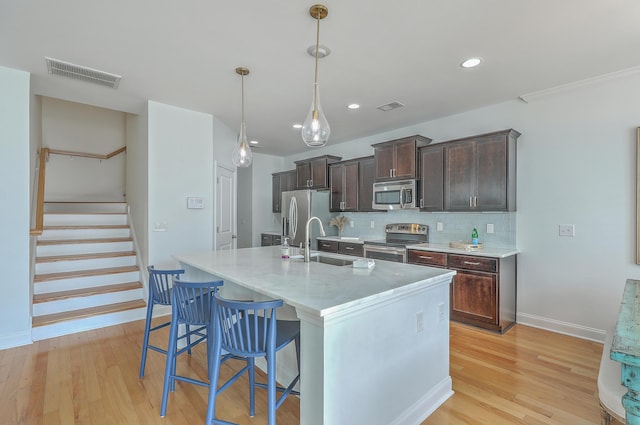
(489, 228)
(567, 230)
(195, 203)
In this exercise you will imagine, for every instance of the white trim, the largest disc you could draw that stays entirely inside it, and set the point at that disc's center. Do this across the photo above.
(425, 406)
(578, 84)
(561, 327)
(15, 340)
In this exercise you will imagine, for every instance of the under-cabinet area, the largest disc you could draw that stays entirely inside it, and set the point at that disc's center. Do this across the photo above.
(483, 291)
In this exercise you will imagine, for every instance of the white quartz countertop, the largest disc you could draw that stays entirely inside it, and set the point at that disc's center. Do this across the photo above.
(320, 289)
(272, 232)
(485, 252)
(352, 239)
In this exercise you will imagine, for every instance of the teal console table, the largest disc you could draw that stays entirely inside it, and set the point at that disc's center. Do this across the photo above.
(626, 349)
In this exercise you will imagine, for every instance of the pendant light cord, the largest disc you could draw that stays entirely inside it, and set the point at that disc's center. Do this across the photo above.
(315, 82)
(242, 105)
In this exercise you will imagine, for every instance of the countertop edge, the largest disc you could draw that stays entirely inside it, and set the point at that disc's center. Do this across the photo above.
(486, 252)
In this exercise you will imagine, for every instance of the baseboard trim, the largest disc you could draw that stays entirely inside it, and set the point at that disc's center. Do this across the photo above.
(558, 326)
(425, 406)
(16, 340)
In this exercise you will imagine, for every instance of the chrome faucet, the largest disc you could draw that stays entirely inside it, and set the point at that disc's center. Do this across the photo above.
(306, 237)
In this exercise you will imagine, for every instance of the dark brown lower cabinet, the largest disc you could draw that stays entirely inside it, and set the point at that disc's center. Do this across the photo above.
(348, 248)
(483, 291)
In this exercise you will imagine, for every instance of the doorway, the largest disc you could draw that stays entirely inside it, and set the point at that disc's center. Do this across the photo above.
(225, 208)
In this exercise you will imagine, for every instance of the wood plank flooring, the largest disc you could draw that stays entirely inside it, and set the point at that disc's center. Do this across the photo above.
(527, 376)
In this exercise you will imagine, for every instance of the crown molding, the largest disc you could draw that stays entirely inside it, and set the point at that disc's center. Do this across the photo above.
(527, 98)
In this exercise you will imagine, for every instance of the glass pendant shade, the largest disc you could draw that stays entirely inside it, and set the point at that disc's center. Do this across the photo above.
(242, 156)
(316, 129)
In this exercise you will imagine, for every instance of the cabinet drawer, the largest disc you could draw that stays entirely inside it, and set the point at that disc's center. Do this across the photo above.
(350, 249)
(428, 258)
(276, 240)
(470, 262)
(266, 240)
(328, 246)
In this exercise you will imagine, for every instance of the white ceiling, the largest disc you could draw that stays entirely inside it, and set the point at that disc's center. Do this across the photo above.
(184, 53)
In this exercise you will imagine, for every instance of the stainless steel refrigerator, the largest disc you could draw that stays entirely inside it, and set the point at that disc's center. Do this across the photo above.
(297, 207)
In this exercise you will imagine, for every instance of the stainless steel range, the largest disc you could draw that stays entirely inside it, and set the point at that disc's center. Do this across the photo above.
(394, 246)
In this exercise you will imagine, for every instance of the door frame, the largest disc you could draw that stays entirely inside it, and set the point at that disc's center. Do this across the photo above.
(216, 166)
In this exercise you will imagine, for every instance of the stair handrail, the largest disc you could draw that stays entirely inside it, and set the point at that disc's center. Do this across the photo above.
(37, 230)
(86, 154)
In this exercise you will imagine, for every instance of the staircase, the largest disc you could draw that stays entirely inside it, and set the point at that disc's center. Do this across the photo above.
(86, 273)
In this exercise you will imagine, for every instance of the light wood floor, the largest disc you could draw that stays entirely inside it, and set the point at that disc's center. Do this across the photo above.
(527, 376)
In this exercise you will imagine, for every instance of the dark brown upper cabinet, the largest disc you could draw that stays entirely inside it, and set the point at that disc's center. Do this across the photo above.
(480, 172)
(343, 182)
(432, 177)
(398, 159)
(281, 182)
(313, 173)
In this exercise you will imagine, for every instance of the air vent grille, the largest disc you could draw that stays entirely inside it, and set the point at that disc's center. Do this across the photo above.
(389, 106)
(83, 73)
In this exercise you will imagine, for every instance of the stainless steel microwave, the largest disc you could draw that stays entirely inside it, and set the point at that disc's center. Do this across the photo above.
(395, 195)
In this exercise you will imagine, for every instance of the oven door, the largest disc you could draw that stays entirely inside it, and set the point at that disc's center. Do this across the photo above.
(388, 253)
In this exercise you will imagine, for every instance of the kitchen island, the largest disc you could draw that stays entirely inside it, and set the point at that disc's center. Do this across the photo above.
(375, 342)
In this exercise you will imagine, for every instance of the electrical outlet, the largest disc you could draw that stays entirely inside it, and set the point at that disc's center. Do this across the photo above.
(373, 224)
(439, 226)
(419, 321)
(489, 228)
(351, 223)
(567, 230)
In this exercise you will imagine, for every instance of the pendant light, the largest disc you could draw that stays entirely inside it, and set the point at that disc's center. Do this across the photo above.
(315, 129)
(242, 155)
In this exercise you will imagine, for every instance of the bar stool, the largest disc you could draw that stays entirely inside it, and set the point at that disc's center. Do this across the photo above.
(249, 329)
(160, 284)
(193, 305)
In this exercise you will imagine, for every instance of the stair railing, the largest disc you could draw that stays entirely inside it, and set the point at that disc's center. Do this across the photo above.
(44, 155)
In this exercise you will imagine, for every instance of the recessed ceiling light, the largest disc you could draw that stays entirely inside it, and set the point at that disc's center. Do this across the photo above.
(297, 126)
(253, 142)
(353, 106)
(471, 62)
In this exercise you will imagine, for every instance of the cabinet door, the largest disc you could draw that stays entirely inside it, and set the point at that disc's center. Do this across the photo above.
(491, 176)
(336, 173)
(405, 160)
(350, 187)
(384, 162)
(432, 178)
(303, 175)
(459, 176)
(366, 177)
(288, 181)
(266, 240)
(275, 193)
(474, 297)
(319, 176)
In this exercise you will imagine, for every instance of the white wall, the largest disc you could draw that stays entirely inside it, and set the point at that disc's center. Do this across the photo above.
(82, 128)
(263, 217)
(15, 166)
(576, 165)
(179, 166)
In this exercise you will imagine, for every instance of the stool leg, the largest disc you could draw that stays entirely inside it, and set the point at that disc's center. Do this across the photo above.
(145, 340)
(214, 373)
(271, 385)
(170, 367)
(252, 385)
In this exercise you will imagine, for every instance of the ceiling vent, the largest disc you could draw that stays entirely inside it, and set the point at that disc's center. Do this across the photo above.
(77, 72)
(389, 106)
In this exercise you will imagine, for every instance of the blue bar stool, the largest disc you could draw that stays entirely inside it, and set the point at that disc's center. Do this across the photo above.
(160, 284)
(193, 306)
(248, 329)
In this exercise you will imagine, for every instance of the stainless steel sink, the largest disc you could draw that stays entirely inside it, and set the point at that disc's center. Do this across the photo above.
(316, 258)
(330, 260)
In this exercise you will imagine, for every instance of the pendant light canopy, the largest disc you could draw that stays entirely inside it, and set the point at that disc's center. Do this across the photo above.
(242, 155)
(315, 129)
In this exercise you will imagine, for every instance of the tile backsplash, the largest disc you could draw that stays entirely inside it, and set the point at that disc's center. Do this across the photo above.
(455, 226)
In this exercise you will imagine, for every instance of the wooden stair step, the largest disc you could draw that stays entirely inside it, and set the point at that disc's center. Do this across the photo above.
(55, 258)
(83, 273)
(80, 241)
(86, 312)
(88, 226)
(85, 292)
